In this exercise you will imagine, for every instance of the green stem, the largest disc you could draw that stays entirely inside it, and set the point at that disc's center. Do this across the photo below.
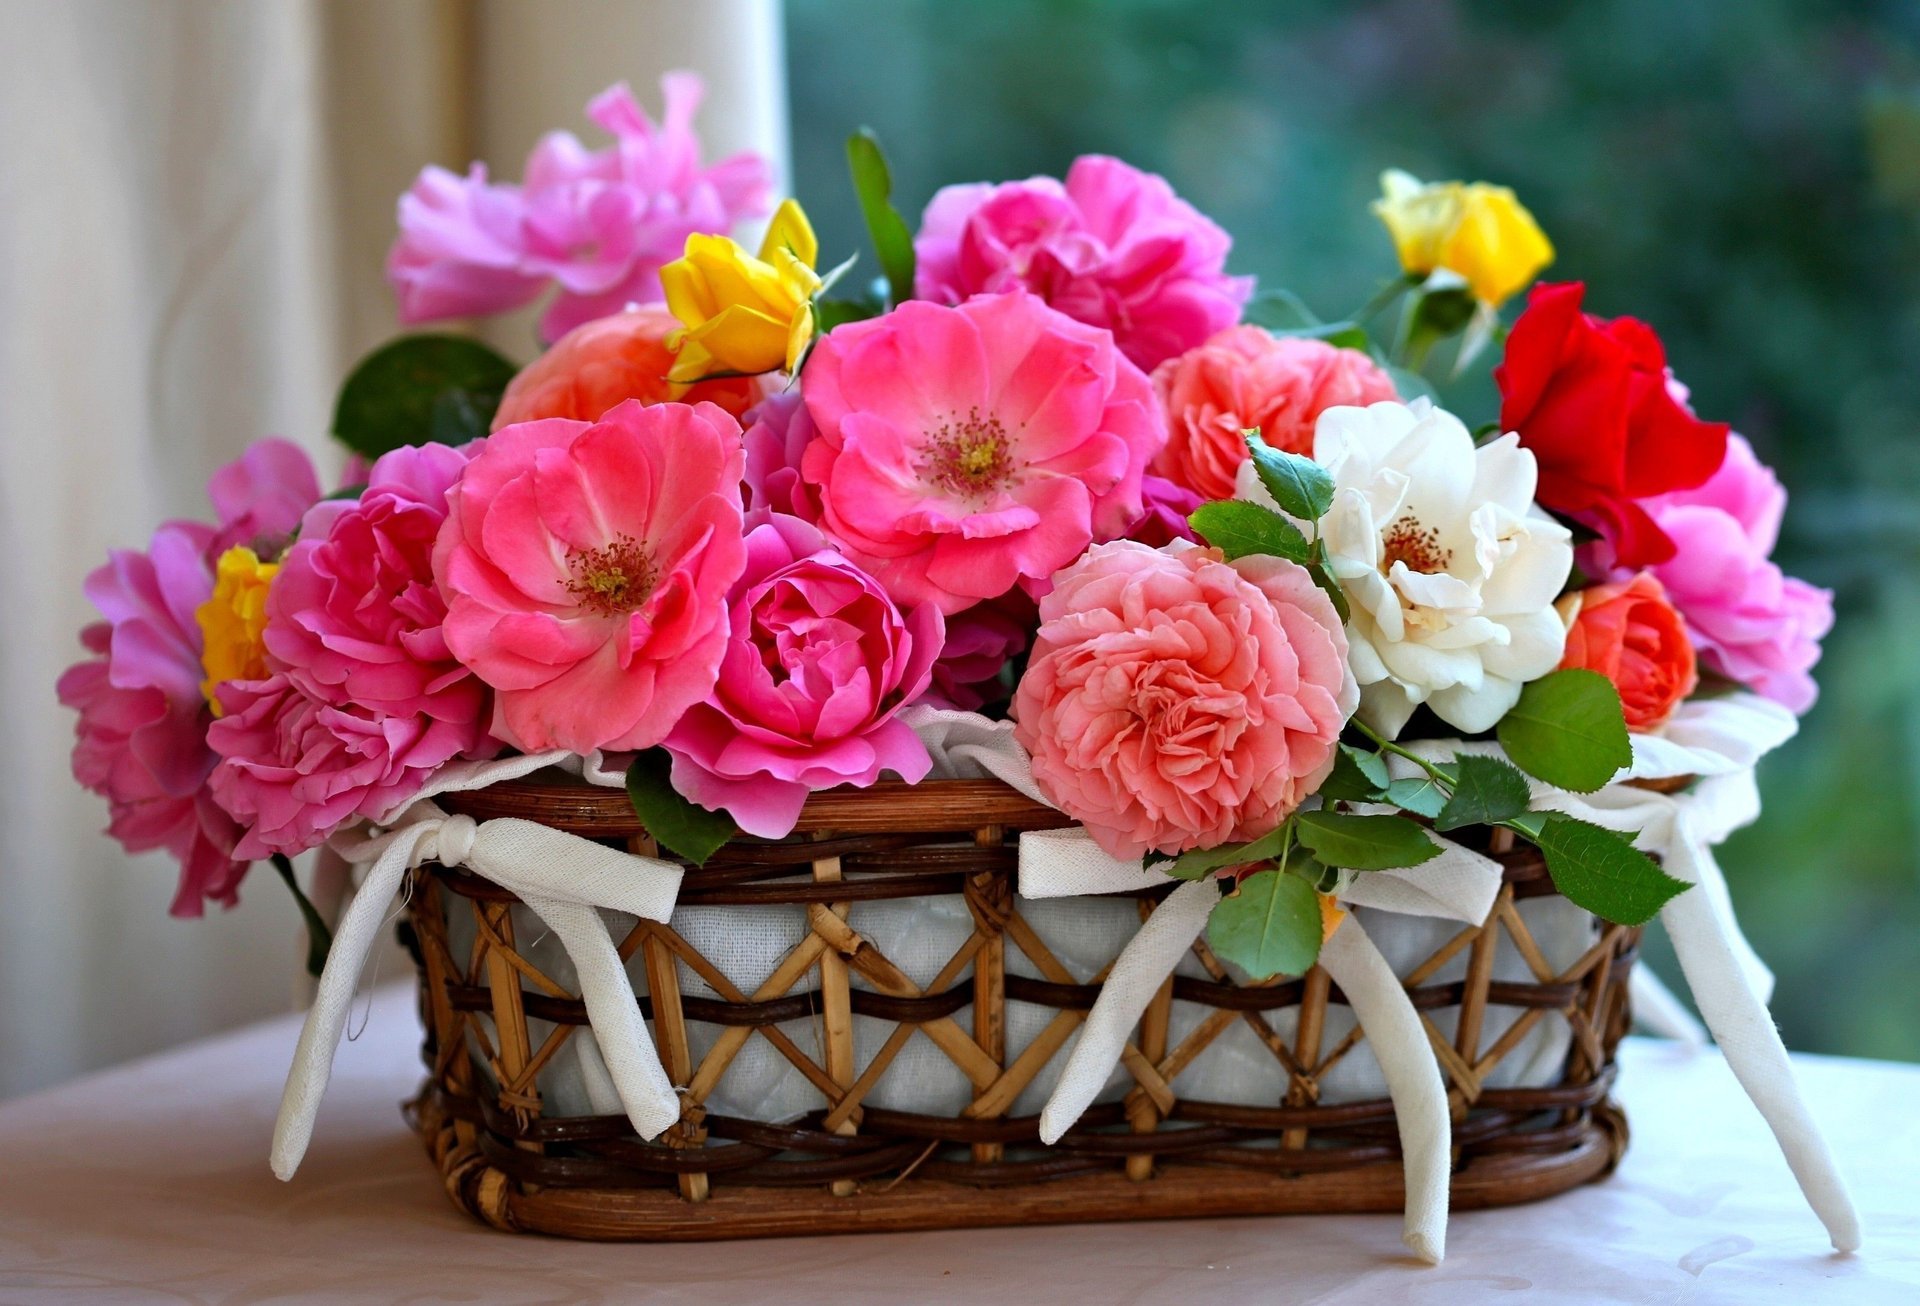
(1388, 746)
(319, 937)
(1382, 298)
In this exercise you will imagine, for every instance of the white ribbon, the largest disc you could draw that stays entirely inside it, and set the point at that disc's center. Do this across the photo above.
(562, 878)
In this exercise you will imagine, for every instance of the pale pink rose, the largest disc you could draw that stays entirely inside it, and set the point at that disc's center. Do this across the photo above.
(294, 770)
(980, 643)
(1748, 621)
(599, 224)
(353, 618)
(778, 432)
(586, 568)
(1243, 378)
(1113, 247)
(962, 451)
(818, 664)
(1174, 701)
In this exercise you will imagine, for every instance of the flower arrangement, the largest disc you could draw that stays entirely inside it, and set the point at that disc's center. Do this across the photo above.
(1223, 566)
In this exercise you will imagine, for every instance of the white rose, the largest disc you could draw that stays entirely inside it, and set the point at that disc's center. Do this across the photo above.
(1450, 569)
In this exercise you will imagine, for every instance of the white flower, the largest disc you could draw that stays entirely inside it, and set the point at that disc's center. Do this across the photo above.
(1449, 568)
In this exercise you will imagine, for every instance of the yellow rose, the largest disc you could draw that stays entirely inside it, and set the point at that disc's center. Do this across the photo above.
(233, 620)
(1480, 232)
(740, 313)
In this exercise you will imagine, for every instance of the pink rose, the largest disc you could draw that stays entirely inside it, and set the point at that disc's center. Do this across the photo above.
(599, 224)
(778, 432)
(1174, 701)
(260, 497)
(980, 643)
(1748, 621)
(1164, 520)
(295, 769)
(586, 568)
(1114, 247)
(1244, 378)
(963, 451)
(818, 663)
(353, 618)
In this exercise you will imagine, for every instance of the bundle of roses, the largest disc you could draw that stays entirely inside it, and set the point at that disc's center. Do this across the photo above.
(1214, 558)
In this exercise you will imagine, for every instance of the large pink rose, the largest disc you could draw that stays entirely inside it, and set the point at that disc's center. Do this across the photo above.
(818, 663)
(1748, 621)
(586, 569)
(1174, 701)
(1114, 247)
(599, 224)
(962, 451)
(294, 769)
(1243, 378)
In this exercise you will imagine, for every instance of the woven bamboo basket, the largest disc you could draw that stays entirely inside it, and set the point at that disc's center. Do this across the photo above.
(496, 1020)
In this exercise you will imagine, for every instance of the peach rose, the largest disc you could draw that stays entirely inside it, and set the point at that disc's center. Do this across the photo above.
(1633, 636)
(1241, 378)
(1175, 701)
(598, 365)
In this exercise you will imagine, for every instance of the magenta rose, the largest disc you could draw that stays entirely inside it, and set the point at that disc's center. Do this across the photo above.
(586, 568)
(818, 663)
(261, 496)
(1748, 621)
(980, 643)
(1175, 701)
(960, 452)
(1113, 247)
(778, 431)
(294, 769)
(1164, 517)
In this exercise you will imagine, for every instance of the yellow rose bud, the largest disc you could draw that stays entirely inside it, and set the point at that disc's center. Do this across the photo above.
(1480, 232)
(233, 620)
(740, 313)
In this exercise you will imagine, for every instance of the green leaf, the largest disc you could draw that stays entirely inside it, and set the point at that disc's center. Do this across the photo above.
(319, 937)
(676, 824)
(1241, 529)
(1408, 384)
(1568, 730)
(420, 388)
(1357, 777)
(1364, 843)
(1528, 823)
(1419, 794)
(873, 186)
(1341, 335)
(1205, 861)
(1602, 872)
(1330, 585)
(1279, 311)
(1487, 792)
(830, 313)
(1299, 485)
(348, 492)
(1270, 927)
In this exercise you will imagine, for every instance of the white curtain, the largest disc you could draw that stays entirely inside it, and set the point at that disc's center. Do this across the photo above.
(195, 199)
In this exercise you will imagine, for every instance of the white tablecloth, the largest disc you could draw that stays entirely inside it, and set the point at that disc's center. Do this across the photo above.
(149, 1183)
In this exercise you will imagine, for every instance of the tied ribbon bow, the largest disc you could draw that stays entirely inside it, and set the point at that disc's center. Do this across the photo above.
(563, 879)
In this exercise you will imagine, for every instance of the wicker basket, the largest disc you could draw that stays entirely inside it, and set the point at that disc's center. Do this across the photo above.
(495, 1021)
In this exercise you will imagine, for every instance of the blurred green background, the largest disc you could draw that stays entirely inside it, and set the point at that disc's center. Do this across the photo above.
(1744, 177)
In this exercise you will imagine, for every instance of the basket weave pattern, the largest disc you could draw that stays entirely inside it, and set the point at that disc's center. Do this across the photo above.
(853, 1165)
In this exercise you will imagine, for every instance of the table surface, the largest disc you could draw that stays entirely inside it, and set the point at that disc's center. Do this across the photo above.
(149, 1182)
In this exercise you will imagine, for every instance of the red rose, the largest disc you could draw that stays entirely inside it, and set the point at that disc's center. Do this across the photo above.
(1589, 397)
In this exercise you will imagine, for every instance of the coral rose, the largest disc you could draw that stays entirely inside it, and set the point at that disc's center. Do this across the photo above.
(1632, 635)
(1589, 397)
(818, 663)
(1174, 701)
(1113, 247)
(962, 451)
(605, 362)
(1244, 378)
(586, 569)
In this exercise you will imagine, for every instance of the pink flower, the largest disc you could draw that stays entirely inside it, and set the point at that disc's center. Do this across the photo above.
(778, 432)
(141, 740)
(961, 451)
(353, 618)
(295, 769)
(818, 663)
(1164, 520)
(598, 223)
(1174, 701)
(260, 497)
(980, 643)
(1748, 621)
(1244, 378)
(586, 568)
(1114, 247)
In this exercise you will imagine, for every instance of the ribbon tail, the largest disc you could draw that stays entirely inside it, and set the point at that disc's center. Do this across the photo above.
(1658, 1011)
(1137, 974)
(327, 1019)
(614, 1013)
(1741, 1025)
(1399, 1044)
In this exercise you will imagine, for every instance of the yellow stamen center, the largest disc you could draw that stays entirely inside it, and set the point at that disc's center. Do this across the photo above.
(612, 580)
(970, 456)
